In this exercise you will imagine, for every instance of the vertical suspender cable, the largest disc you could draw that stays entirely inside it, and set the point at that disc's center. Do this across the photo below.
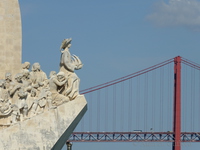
(153, 99)
(122, 106)
(138, 104)
(145, 101)
(106, 109)
(161, 99)
(168, 96)
(160, 114)
(114, 107)
(98, 110)
(171, 98)
(192, 99)
(186, 91)
(193, 107)
(90, 112)
(199, 103)
(184, 100)
(130, 107)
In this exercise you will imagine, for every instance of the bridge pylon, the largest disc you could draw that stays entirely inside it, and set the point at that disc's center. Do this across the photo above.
(176, 145)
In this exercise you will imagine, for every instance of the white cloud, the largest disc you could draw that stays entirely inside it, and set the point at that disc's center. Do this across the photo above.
(177, 13)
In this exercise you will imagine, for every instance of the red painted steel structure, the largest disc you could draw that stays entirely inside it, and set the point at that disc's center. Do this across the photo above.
(176, 137)
(177, 104)
(133, 137)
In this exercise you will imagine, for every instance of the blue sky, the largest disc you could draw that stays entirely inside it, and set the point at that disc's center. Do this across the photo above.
(113, 38)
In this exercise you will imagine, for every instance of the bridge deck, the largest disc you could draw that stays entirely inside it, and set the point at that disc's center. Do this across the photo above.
(132, 137)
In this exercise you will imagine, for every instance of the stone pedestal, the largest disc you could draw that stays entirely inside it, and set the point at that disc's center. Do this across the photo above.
(10, 37)
(47, 131)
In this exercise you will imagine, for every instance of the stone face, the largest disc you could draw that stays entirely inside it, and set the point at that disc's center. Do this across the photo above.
(46, 131)
(10, 37)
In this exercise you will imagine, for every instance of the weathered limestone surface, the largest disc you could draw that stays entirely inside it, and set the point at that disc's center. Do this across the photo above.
(10, 37)
(42, 131)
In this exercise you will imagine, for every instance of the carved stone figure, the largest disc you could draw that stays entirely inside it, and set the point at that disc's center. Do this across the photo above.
(42, 97)
(52, 73)
(8, 80)
(26, 66)
(37, 75)
(36, 102)
(15, 116)
(31, 92)
(68, 64)
(5, 104)
(32, 102)
(15, 87)
(6, 108)
(56, 82)
(26, 80)
(22, 105)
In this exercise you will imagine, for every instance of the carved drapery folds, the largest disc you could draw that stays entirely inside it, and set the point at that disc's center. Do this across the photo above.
(31, 93)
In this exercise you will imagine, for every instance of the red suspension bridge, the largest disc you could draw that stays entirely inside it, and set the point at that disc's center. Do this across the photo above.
(157, 104)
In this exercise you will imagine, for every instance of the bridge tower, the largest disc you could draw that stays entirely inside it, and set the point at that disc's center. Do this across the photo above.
(177, 104)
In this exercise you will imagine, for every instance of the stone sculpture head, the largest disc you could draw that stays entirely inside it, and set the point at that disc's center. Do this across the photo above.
(66, 43)
(22, 93)
(2, 83)
(25, 73)
(18, 77)
(36, 67)
(52, 73)
(8, 76)
(41, 84)
(61, 76)
(33, 92)
(26, 65)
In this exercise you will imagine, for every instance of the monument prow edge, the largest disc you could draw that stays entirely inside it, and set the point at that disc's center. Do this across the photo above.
(65, 136)
(49, 130)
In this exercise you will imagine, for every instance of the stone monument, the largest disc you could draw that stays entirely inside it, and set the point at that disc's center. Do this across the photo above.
(10, 37)
(36, 111)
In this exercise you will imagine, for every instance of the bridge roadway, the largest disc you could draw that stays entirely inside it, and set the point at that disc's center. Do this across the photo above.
(132, 137)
